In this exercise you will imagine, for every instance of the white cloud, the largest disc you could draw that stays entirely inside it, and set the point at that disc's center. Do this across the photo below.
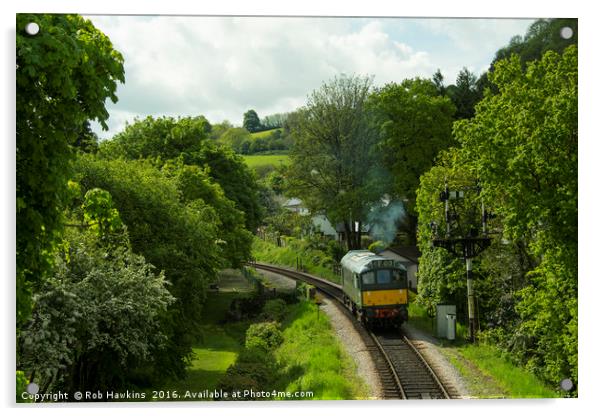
(222, 66)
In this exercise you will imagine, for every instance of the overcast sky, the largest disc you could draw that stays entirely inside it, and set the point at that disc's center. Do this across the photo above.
(221, 67)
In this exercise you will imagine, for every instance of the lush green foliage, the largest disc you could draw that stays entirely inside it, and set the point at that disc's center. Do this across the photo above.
(316, 260)
(177, 236)
(274, 310)
(245, 143)
(522, 145)
(163, 137)
(415, 124)
(465, 94)
(274, 121)
(542, 36)
(251, 121)
(264, 335)
(236, 137)
(98, 316)
(311, 358)
(333, 164)
(167, 138)
(64, 75)
(193, 183)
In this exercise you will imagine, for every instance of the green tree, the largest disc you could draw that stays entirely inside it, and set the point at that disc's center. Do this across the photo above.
(167, 138)
(251, 121)
(236, 137)
(87, 140)
(195, 183)
(438, 81)
(164, 137)
(219, 128)
(415, 123)
(95, 319)
(333, 160)
(542, 36)
(465, 94)
(64, 75)
(180, 237)
(522, 145)
(274, 121)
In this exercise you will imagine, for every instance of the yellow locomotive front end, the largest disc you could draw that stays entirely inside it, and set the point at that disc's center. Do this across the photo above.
(376, 288)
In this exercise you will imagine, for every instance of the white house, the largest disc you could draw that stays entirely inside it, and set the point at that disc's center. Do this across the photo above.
(321, 222)
(296, 205)
(408, 255)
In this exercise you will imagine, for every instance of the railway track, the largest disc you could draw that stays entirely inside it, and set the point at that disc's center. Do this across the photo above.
(404, 372)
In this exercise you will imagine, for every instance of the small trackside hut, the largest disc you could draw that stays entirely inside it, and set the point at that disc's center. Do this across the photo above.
(375, 288)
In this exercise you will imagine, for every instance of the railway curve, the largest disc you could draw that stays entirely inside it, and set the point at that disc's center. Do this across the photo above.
(404, 372)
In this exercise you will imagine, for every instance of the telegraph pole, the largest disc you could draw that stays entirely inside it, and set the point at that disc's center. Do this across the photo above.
(463, 245)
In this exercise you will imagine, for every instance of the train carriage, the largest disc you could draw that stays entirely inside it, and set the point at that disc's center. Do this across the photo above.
(375, 288)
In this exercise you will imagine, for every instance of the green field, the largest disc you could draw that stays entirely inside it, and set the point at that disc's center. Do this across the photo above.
(265, 133)
(254, 161)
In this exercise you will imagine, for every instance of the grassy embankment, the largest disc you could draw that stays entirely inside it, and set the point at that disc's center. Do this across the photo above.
(309, 359)
(220, 343)
(312, 359)
(313, 261)
(488, 371)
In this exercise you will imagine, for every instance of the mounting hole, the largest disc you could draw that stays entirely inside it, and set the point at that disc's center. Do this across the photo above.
(566, 32)
(566, 384)
(33, 388)
(32, 28)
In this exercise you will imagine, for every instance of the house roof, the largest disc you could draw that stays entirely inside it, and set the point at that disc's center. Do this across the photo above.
(293, 202)
(409, 252)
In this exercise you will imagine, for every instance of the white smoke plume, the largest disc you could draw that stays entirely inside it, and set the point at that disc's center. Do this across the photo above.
(383, 220)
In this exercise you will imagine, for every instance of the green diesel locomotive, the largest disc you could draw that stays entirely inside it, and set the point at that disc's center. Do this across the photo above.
(375, 288)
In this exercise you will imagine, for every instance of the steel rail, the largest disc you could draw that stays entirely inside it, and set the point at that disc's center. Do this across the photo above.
(335, 291)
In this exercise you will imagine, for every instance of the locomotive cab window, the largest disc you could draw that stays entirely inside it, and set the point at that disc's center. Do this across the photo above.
(399, 276)
(368, 278)
(383, 277)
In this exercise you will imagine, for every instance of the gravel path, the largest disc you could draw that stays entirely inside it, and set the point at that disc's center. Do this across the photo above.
(428, 346)
(345, 332)
(355, 347)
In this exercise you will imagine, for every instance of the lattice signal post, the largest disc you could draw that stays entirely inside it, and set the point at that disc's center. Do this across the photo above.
(465, 244)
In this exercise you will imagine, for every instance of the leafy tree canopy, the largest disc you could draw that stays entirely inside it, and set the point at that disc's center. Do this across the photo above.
(251, 121)
(522, 146)
(164, 137)
(542, 36)
(415, 123)
(167, 138)
(64, 75)
(333, 159)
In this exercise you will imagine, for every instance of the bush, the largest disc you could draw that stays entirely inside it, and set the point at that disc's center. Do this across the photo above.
(21, 387)
(274, 310)
(377, 246)
(233, 381)
(264, 335)
(98, 316)
(254, 369)
(244, 308)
